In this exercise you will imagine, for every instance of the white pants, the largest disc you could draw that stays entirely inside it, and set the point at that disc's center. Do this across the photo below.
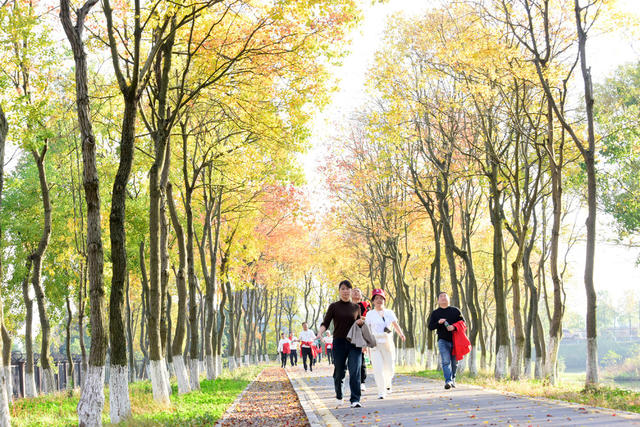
(383, 360)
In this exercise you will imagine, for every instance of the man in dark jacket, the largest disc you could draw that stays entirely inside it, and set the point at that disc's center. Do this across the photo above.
(443, 318)
(343, 314)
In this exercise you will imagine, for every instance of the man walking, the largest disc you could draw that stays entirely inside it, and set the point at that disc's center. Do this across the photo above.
(356, 297)
(306, 341)
(443, 318)
(344, 314)
(328, 346)
(294, 350)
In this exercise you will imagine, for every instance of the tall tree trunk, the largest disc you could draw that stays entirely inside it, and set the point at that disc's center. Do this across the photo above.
(119, 403)
(92, 398)
(30, 383)
(588, 156)
(70, 369)
(179, 337)
(502, 325)
(46, 374)
(5, 376)
(132, 373)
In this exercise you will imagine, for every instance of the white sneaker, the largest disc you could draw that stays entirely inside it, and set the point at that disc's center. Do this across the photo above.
(356, 405)
(363, 387)
(381, 396)
(339, 401)
(389, 390)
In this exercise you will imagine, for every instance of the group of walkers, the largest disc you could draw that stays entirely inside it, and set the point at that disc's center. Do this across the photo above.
(358, 326)
(311, 348)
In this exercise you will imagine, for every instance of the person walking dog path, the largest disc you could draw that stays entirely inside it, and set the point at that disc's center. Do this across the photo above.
(419, 401)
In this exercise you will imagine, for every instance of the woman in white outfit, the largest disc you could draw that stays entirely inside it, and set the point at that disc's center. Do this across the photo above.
(381, 321)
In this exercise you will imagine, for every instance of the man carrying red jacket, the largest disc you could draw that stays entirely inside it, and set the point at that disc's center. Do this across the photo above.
(444, 319)
(461, 344)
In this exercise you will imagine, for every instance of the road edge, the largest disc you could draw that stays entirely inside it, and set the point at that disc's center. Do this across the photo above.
(317, 413)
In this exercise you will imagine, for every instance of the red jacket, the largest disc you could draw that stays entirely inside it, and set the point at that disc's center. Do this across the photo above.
(461, 344)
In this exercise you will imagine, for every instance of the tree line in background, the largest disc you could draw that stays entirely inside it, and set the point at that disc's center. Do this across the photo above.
(155, 205)
(482, 143)
(154, 187)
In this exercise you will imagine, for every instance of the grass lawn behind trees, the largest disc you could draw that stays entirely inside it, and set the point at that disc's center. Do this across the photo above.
(198, 408)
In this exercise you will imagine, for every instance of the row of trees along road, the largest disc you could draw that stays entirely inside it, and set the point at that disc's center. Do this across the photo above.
(155, 186)
(155, 162)
(477, 140)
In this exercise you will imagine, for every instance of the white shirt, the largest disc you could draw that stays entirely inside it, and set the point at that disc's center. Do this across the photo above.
(307, 335)
(328, 340)
(281, 344)
(376, 323)
(294, 343)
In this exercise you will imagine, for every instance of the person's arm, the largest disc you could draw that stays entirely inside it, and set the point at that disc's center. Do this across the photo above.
(280, 346)
(433, 323)
(359, 319)
(398, 329)
(328, 317)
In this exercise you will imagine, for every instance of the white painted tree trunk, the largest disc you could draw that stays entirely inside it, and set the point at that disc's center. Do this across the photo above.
(527, 368)
(500, 371)
(516, 362)
(5, 415)
(194, 374)
(429, 358)
(92, 397)
(119, 403)
(30, 389)
(410, 356)
(8, 378)
(211, 368)
(48, 381)
(218, 360)
(167, 377)
(232, 363)
(592, 362)
(538, 368)
(552, 358)
(172, 370)
(157, 373)
(473, 361)
(181, 375)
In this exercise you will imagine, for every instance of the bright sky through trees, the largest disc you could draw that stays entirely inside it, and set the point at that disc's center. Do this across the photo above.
(616, 268)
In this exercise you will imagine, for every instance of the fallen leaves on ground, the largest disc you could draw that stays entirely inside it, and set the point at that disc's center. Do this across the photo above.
(269, 401)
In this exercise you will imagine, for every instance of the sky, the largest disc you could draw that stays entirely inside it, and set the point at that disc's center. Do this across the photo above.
(616, 269)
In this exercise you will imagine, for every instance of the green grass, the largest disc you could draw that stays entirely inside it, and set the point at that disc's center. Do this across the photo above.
(197, 408)
(568, 390)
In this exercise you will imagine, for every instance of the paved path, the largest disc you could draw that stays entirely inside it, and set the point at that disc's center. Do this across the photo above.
(419, 402)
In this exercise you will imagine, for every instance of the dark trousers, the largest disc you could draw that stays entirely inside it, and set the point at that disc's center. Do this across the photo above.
(347, 355)
(306, 353)
(363, 371)
(330, 356)
(294, 357)
(283, 358)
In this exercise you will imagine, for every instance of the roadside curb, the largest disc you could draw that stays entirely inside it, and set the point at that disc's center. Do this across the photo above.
(232, 408)
(317, 413)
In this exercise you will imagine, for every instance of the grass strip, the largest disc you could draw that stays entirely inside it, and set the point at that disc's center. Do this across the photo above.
(603, 396)
(198, 408)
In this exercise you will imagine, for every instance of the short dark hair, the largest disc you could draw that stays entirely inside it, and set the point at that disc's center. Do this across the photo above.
(345, 283)
(304, 323)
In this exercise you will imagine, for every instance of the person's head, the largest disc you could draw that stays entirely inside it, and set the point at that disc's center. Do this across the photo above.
(356, 295)
(443, 300)
(305, 326)
(378, 298)
(282, 335)
(345, 290)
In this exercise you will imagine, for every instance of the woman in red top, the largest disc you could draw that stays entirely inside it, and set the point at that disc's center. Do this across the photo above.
(284, 348)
